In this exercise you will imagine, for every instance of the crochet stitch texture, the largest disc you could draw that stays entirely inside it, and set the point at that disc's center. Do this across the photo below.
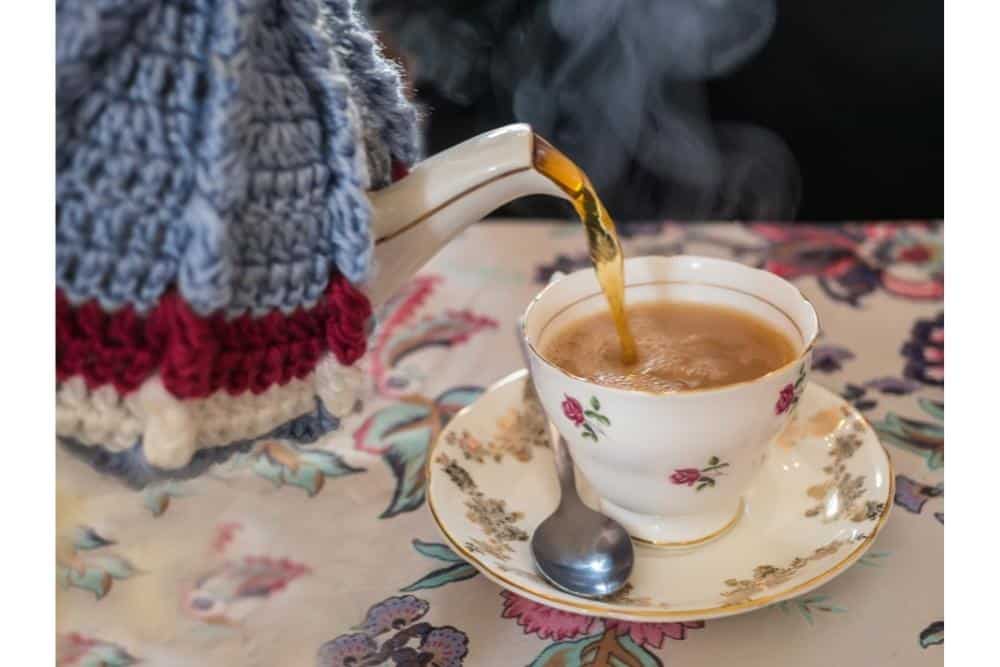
(198, 356)
(222, 146)
(211, 223)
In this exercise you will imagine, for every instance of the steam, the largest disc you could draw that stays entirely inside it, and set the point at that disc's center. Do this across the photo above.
(619, 86)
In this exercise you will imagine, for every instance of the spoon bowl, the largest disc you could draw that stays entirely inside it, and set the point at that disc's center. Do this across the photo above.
(577, 549)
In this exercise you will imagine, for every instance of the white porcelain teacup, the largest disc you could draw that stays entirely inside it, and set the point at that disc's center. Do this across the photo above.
(672, 468)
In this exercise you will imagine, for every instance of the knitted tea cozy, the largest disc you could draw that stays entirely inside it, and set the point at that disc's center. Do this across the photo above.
(212, 162)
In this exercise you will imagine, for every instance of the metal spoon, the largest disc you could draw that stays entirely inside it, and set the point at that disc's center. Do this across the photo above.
(577, 549)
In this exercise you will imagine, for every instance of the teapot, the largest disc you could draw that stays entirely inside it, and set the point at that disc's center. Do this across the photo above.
(176, 419)
(416, 216)
(216, 259)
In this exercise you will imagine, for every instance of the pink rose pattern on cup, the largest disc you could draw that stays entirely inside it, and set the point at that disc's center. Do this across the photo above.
(784, 399)
(589, 420)
(573, 410)
(700, 477)
(685, 476)
(789, 395)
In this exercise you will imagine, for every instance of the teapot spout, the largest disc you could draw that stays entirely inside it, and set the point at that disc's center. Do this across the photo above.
(416, 216)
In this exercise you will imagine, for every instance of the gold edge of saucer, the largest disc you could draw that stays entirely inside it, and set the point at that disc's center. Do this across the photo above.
(609, 610)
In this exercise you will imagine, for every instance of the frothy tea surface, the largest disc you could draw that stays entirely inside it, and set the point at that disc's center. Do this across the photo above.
(681, 346)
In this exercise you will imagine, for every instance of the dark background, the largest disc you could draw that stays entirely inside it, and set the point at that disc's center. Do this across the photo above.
(854, 90)
(857, 91)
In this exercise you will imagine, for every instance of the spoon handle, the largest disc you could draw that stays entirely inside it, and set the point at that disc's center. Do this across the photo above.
(564, 463)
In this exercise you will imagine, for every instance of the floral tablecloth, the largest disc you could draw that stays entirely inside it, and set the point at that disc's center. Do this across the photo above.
(320, 550)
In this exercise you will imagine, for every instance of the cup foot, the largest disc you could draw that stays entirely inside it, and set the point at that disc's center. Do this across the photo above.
(675, 531)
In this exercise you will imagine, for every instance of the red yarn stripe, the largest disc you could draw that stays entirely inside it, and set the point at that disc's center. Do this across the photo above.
(400, 170)
(196, 356)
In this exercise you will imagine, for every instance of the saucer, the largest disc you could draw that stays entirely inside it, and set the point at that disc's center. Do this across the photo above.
(817, 505)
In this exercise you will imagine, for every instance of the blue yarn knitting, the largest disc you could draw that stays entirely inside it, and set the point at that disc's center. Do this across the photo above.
(220, 146)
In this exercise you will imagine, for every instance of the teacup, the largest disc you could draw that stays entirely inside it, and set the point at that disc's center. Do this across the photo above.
(672, 468)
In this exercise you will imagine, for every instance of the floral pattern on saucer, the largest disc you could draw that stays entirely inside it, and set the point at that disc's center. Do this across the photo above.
(842, 490)
(626, 595)
(768, 576)
(518, 432)
(490, 514)
(488, 509)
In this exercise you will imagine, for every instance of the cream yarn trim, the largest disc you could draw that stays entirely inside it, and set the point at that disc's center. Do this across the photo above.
(173, 430)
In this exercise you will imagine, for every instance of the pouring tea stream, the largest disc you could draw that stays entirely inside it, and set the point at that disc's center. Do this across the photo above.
(416, 216)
